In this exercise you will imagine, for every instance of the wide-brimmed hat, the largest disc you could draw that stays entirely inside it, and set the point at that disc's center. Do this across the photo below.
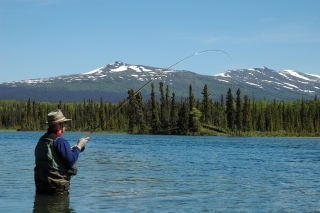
(56, 117)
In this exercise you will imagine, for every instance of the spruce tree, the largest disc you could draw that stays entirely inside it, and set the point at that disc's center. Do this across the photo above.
(102, 115)
(191, 105)
(173, 115)
(142, 127)
(246, 114)
(238, 115)
(206, 106)
(184, 119)
(155, 120)
(163, 109)
(230, 112)
(167, 111)
(135, 113)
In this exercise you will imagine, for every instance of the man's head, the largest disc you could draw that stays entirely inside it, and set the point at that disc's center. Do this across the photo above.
(56, 117)
(56, 120)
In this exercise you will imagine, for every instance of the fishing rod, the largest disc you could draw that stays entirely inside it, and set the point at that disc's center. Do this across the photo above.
(151, 80)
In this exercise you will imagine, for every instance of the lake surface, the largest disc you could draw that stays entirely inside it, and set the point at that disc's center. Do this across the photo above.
(147, 173)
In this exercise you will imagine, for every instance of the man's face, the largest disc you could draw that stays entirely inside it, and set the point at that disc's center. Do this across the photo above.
(63, 126)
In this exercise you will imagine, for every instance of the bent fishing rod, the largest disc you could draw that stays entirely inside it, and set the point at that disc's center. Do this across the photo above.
(151, 80)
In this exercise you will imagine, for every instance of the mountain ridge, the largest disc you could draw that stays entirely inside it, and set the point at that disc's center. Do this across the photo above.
(112, 81)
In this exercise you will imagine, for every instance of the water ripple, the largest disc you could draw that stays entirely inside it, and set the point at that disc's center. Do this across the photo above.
(141, 173)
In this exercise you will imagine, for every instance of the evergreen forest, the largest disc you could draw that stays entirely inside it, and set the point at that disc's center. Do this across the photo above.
(163, 113)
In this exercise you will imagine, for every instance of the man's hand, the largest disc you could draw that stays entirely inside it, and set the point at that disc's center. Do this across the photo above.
(82, 142)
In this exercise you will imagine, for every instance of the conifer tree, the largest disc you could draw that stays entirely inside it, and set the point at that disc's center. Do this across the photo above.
(196, 115)
(142, 127)
(221, 100)
(90, 117)
(254, 115)
(131, 111)
(246, 114)
(184, 119)
(102, 115)
(303, 113)
(206, 106)
(268, 118)
(29, 113)
(191, 105)
(230, 110)
(167, 111)
(163, 109)
(155, 121)
(173, 115)
(262, 118)
(238, 113)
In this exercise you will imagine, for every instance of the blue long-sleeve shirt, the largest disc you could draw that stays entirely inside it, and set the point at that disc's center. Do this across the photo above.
(68, 156)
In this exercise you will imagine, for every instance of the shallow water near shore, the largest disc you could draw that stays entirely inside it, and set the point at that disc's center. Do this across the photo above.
(148, 173)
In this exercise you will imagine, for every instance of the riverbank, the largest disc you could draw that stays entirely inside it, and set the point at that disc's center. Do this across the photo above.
(207, 132)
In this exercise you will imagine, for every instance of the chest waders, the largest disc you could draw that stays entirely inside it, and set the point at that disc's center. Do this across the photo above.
(50, 174)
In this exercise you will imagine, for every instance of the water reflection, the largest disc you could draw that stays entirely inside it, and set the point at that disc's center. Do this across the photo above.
(52, 203)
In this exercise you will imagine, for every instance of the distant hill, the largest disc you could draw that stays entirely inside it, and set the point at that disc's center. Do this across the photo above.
(112, 82)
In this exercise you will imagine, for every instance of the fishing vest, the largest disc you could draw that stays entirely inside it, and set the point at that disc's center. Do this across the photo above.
(50, 172)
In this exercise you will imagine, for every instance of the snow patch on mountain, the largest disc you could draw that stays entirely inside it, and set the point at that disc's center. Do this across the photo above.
(253, 84)
(294, 73)
(313, 75)
(291, 85)
(94, 71)
(223, 74)
(223, 80)
(139, 69)
(119, 69)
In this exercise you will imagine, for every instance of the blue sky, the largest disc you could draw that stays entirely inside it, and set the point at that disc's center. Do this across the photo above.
(45, 38)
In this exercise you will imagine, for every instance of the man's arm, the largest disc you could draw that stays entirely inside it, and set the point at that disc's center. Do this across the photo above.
(68, 156)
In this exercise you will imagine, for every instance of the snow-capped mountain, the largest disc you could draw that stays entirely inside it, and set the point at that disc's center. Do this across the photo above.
(114, 71)
(264, 78)
(111, 82)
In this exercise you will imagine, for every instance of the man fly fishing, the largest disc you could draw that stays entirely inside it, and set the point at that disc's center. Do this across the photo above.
(54, 158)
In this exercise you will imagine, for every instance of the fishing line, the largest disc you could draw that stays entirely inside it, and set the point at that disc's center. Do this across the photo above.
(151, 80)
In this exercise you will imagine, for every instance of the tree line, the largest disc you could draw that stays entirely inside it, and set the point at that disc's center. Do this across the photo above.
(163, 113)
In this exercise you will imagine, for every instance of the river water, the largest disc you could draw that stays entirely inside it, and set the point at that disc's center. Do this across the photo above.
(148, 173)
